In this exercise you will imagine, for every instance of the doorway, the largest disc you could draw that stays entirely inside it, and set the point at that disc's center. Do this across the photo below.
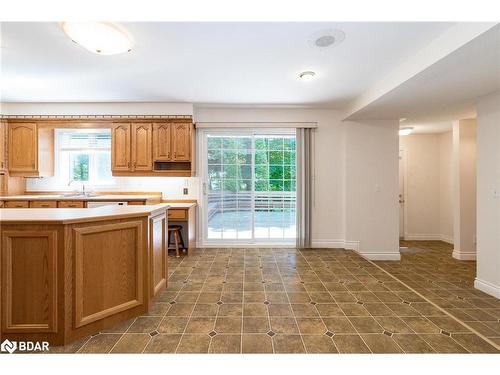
(402, 196)
(249, 187)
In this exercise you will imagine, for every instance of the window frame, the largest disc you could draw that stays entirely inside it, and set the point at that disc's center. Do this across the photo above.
(91, 152)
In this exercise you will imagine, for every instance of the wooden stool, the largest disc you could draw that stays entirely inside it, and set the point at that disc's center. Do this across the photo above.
(176, 231)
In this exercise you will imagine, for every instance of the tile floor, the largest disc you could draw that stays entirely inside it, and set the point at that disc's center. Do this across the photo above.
(430, 269)
(291, 301)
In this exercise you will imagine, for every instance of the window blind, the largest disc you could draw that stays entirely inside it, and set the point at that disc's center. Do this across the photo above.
(81, 139)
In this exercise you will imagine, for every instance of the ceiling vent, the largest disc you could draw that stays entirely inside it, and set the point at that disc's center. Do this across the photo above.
(324, 39)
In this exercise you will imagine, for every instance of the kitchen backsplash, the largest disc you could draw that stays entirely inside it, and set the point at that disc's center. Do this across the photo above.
(171, 187)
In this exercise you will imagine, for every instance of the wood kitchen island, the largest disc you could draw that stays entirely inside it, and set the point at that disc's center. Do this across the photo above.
(71, 272)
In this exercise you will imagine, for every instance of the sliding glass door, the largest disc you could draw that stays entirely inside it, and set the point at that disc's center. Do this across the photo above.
(249, 187)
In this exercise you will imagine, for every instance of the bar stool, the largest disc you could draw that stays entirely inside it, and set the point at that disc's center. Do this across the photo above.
(175, 230)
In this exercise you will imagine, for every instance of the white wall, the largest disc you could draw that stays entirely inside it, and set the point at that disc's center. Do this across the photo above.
(422, 186)
(464, 189)
(356, 178)
(428, 203)
(488, 188)
(445, 187)
(170, 187)
(372, 187)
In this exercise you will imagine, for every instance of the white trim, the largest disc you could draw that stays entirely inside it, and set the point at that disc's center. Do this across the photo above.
(428, 237)
(254, 125)
(381, 256)
(487, 287)
(463, 255)
(328, 244)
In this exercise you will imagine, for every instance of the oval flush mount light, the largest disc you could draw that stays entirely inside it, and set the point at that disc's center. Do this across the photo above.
(307, 75)
(405, 131)
(103, 38)
(323, 39)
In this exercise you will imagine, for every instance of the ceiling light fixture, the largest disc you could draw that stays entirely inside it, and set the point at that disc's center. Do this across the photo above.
(405, 131)
(103, 38)
(307, 75)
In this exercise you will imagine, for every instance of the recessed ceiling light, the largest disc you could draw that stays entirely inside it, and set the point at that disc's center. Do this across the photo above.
(402, 119)
(405, 131)
(326, 38)
(307, 75)
(103, 38)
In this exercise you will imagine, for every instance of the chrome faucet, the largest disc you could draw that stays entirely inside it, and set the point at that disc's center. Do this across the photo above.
(83, 186)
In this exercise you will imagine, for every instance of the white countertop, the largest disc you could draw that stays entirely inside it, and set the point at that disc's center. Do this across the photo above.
(76, 215)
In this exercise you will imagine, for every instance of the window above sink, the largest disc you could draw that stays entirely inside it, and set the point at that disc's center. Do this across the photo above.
(84, 155)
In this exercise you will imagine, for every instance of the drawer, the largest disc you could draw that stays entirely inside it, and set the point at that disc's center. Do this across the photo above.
(17, 204)
(43, 204)
(71, 204)
(177, 214)
(136, 203)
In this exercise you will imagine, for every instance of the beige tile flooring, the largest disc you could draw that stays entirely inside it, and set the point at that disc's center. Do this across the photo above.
(287, 301)
(429, 269)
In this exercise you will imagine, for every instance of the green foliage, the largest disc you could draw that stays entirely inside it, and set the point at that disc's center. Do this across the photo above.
(230, 163)
(80, 167)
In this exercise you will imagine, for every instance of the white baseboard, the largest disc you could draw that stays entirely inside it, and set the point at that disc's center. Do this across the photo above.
(462, 255)
(428, 237)
(487, 287)
(328, 244)
(381, 256)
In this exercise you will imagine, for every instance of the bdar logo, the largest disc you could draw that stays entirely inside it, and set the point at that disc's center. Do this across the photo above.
(8, 346)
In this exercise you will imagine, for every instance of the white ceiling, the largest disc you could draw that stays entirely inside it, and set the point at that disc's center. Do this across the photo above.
(448, 89)
(226, 63)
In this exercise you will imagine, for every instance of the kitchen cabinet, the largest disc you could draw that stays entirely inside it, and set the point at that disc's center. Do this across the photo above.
(43, 204)
(162, 146)
(3, 146)
(71, 204)
(16, 204)
(30, 150)
(181, 142)
(152, 149)
(158, 249)
(142, 147)
(23, 148)
(4, 180)
(120, 147)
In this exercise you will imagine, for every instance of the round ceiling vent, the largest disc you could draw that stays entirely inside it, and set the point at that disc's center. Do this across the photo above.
(326, 38)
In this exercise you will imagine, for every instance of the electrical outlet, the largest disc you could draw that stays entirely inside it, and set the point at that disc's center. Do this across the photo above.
(185, 191)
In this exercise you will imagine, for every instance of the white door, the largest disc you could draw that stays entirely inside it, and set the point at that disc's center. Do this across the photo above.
(249, 188)
(402, 172)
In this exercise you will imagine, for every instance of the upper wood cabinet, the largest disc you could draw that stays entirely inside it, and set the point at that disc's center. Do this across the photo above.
(23, 148)
(3, 146)
(142, 158)
(142, 148)
(120, 147)
(181, 142)
(162, 146)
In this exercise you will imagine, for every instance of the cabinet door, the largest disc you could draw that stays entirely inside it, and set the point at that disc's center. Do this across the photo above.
(3, 144)
(120, 147)
(3, 184)
(142, 147)
(162, 150)
(23, 147)
(181, 141)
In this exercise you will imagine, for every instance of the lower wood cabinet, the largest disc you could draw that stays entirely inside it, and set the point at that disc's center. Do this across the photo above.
(158, 249)
(17, 204)
(71, 204)
(43, 204)
(64, 281)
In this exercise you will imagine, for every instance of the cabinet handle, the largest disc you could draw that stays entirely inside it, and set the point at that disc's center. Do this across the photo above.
(128, 164)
